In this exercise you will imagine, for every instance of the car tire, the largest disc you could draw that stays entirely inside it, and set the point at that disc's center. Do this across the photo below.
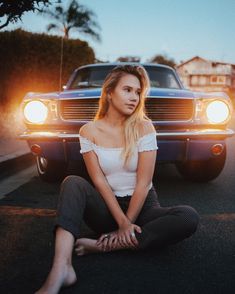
(50, 170)
(202, 170)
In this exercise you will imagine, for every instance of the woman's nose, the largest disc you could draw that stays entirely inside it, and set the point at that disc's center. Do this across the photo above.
(134, 96)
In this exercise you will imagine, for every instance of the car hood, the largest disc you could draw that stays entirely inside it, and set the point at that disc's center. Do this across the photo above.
(154, 92)
(173, 93)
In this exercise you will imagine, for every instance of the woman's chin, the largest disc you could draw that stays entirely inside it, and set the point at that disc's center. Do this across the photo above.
(129, 111)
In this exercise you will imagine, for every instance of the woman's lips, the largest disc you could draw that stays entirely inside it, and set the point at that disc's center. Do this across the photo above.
(131, 105)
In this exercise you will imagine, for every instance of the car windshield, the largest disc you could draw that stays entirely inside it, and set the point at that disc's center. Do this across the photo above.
(93, 77)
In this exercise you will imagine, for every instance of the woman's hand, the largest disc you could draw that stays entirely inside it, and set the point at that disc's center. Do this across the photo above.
(126, 234)
(124, 237)
(108, 242)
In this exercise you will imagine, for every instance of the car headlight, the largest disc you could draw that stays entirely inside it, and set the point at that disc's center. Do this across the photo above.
(217, 111)
(35, 112)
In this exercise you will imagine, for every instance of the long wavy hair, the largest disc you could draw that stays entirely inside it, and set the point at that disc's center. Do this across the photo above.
(131, 125)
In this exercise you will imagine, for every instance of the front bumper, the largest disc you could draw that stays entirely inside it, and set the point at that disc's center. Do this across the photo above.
(173, 146)
(186, 134)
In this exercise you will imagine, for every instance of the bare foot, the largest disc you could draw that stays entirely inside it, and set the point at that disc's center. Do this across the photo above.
(58, 277)
(84, 246)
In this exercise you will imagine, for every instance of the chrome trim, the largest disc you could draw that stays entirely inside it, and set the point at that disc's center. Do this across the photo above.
(178, 135)
(79, 97)
(148, 97)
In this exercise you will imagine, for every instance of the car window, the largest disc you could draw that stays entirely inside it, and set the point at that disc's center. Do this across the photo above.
(90, 77)
(161, 77)
(93, 77)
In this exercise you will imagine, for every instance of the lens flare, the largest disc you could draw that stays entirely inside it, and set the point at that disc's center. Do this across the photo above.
(35, 112)
(217, 112)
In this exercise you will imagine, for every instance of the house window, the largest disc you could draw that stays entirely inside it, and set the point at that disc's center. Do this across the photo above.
(219, 80)
(202, 81)
(194, 80)
(198, 80)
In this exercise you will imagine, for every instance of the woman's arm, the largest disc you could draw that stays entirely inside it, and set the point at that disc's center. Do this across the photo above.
(145, 170)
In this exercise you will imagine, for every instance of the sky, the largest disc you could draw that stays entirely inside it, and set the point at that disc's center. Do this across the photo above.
(179, 29)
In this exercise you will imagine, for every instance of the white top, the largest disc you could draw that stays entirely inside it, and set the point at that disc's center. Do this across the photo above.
(122, 180)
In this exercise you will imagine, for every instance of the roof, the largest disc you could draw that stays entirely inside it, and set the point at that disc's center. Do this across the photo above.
(206, 60)
(195, 57)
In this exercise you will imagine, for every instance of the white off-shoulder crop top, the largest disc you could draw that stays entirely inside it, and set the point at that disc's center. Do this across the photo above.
(122, 180)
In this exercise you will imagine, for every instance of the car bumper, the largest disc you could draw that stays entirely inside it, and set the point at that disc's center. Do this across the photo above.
(173, 146)
(186, 134)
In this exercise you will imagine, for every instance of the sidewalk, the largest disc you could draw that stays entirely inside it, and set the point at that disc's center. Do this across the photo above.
(12, 148)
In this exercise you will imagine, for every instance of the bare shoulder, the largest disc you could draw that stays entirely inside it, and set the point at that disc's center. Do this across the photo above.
(146, 127)
(88, 130)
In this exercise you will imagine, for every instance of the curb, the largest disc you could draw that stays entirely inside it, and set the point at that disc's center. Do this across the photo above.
(16, 162)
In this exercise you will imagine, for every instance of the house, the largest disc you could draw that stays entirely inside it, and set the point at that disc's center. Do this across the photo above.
(200, 74)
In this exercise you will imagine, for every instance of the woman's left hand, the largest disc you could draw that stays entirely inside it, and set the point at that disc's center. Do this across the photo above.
(108, 242)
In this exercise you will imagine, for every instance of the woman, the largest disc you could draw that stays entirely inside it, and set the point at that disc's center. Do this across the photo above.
(119, 149)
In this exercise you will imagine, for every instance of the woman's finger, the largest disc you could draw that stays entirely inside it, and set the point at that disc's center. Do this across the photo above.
(110, 242)
(130, 243)
(101, 239)
(114, 243)
(104, 244)
(133, 239)
(137, 229)
(122, 240)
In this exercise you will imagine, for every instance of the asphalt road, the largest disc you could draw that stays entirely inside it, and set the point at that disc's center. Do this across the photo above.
(204, 263)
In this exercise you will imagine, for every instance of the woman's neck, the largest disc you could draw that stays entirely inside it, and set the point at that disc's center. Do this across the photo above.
(114, 120)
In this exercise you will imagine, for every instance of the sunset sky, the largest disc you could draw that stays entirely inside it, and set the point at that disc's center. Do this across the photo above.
(179, 29)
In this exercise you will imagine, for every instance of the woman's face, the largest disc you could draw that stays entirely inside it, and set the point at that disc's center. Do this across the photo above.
(126, 95)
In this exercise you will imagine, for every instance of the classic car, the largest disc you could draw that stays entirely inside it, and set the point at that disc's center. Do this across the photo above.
(191, 127)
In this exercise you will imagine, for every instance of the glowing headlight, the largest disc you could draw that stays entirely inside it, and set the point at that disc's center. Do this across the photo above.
(217, 111)
(35, 112)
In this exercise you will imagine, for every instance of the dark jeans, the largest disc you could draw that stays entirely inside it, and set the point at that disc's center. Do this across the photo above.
(160, 226)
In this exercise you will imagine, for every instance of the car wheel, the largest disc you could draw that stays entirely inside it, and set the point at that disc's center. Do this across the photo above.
(50, 170)
(202, 170)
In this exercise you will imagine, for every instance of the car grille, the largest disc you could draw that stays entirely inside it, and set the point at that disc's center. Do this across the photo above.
(157, 109)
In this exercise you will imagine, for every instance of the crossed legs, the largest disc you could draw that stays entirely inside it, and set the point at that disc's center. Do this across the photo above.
(79, 200)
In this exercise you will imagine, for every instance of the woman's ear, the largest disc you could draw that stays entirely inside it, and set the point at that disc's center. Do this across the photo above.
(109, 97)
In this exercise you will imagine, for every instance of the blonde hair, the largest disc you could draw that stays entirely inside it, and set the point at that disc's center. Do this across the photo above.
(131, 126)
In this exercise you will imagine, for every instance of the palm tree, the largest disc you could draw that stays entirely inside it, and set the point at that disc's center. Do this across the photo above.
(75, 17)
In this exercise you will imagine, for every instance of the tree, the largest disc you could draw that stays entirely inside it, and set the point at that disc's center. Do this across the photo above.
(75, 17)
(12, 11)
(30, 62)
(162, 59)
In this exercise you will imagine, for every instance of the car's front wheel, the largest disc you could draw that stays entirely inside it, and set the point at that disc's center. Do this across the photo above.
(50, 170)
(202, 170)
